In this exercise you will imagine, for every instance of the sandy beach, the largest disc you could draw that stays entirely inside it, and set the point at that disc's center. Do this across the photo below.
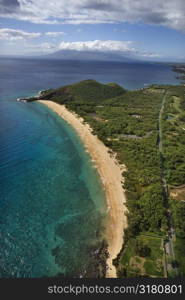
(111, 175)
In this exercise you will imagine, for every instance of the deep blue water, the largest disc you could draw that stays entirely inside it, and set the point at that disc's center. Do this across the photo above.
(52, 204)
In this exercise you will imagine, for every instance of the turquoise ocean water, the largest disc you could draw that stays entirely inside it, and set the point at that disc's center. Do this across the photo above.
(52, 205)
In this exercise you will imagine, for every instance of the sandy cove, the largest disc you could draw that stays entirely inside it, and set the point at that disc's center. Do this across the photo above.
(111, 175)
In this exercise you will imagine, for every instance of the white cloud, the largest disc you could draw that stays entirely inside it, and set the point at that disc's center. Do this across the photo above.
(43, 47)
(117, 47)
(170, 13)
(97, 45)
(149, 55)
(13, 34)
(29, 48)
(55, 34)
(47, 46)
(119, 30)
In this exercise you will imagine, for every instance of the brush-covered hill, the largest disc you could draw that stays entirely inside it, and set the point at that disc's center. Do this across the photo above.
(86, 91)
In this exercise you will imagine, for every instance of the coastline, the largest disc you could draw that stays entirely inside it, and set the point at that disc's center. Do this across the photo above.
(111, 176)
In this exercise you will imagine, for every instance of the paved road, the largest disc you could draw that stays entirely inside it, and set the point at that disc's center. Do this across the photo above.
(160, 123)
(169, 248)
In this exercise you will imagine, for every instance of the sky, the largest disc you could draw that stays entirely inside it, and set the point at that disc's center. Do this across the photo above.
(141, 29)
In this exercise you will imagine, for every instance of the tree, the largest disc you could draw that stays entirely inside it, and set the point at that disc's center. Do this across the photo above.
(142, 249)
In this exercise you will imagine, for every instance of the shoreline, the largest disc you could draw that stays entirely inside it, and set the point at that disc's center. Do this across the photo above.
(111, 176)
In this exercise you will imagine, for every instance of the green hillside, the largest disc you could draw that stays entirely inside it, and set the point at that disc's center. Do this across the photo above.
(86, 91)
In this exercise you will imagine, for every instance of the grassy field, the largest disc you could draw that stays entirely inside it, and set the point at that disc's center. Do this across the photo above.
(133, 264)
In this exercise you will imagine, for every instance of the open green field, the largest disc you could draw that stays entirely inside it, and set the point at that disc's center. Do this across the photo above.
(133, 264)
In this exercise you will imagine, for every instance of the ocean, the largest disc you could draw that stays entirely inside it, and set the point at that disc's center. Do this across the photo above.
(52, 203)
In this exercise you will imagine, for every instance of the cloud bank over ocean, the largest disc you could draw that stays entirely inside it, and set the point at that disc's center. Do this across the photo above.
(142, 28)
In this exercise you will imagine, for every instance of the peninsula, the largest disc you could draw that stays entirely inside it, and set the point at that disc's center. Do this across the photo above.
(136, 139)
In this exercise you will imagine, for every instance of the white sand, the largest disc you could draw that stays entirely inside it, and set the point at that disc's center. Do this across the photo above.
(111, 175)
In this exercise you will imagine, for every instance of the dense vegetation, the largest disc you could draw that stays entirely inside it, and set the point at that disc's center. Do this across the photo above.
(84, 92)
(174, 163)
(174, 135)
(128, 123)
